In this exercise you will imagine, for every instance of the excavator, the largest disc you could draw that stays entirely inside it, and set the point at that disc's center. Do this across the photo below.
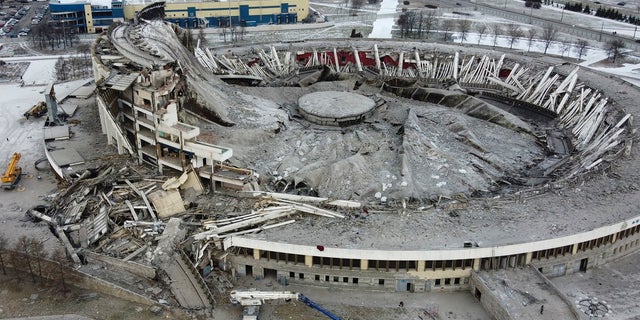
(12, 176)
(38, 110)
(252, 300)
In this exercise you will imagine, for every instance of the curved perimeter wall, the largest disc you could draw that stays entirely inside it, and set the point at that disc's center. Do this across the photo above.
(420, 271)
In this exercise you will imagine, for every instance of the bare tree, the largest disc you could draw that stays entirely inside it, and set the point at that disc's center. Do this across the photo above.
(481, 29)
(549, 33)
(37, 253)
(22, 257)
(419, 21)
(407, 23)
(614, 49)
(3, 246)
(447, 26)
(566, 47)
(496, 30)
(60, 257)
(429, 23)
(514, 32)
(531, 34)
(464, 26)
(356, 5)
(581, 46)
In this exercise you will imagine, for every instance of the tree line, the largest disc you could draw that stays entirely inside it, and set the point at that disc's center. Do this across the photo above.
(425, 25)
(609, 13)
(53, 36)
(28, 260)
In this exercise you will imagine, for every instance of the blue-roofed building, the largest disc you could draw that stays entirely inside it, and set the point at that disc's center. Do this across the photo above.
(94, 17)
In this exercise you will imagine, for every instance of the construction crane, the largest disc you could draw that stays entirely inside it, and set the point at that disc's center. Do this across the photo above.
(12, 175)
(38, 110)
(252, 300)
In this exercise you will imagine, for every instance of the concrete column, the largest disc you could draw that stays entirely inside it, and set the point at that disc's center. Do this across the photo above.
(421, 265)
(614, 237)
(364, 264)
(476, 264)
(256, 254)
(527, 259)
(574, 249)
(308, 261)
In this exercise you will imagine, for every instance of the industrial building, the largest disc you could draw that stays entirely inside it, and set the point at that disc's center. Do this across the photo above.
(85, 17)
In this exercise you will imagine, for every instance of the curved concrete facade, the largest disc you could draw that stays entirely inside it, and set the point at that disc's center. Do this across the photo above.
(429, 269)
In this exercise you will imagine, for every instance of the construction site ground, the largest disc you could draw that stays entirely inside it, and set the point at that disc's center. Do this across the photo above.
(25, 136)
(615, 283)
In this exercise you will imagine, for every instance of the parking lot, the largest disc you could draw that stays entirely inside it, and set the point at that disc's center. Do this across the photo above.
(17, 19)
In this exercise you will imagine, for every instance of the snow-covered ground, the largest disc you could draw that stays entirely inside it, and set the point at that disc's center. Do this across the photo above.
(386, 19)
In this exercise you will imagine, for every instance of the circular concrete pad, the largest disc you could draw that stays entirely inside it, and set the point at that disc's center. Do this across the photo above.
(335, 107)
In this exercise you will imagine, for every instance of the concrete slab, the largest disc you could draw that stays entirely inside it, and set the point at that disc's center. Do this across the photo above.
(67, 157)
(68, 109)
(56, 133)
(83, 92)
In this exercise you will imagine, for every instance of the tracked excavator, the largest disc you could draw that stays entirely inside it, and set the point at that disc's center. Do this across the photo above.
(252, 300)
(12, 175)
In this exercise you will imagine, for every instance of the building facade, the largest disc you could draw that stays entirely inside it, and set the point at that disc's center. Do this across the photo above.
(83, 17)
(429, 270)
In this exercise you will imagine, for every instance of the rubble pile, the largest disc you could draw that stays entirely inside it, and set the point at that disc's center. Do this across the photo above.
(129, 213)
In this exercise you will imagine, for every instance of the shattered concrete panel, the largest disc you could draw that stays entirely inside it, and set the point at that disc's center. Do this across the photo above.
(167, 202)
(192, 182)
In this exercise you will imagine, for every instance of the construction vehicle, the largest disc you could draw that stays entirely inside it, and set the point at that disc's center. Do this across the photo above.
(252, 300)
(38, 110)
(12, 176)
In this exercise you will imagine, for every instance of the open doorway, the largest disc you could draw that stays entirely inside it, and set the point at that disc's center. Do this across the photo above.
(584, 264)
(410, 287)
(478, 294)
(248, 270)
(270, 273)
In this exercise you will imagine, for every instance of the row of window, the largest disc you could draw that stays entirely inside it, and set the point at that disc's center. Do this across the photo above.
(412, 265)
(626, 247)
(629, 232)
(381, 282)
(585, 245)
(553, 252)
(350, 264)
(595, 243)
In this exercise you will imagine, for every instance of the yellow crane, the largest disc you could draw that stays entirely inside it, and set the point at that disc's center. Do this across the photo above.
(12, 175)
(38, 110)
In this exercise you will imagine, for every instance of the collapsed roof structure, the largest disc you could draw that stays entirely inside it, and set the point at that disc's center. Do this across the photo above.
(352, 135)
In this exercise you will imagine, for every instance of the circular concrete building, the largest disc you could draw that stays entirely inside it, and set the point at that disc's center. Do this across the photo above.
(335, 108)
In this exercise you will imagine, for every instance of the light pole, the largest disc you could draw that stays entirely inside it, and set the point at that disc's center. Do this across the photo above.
(601, 28)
